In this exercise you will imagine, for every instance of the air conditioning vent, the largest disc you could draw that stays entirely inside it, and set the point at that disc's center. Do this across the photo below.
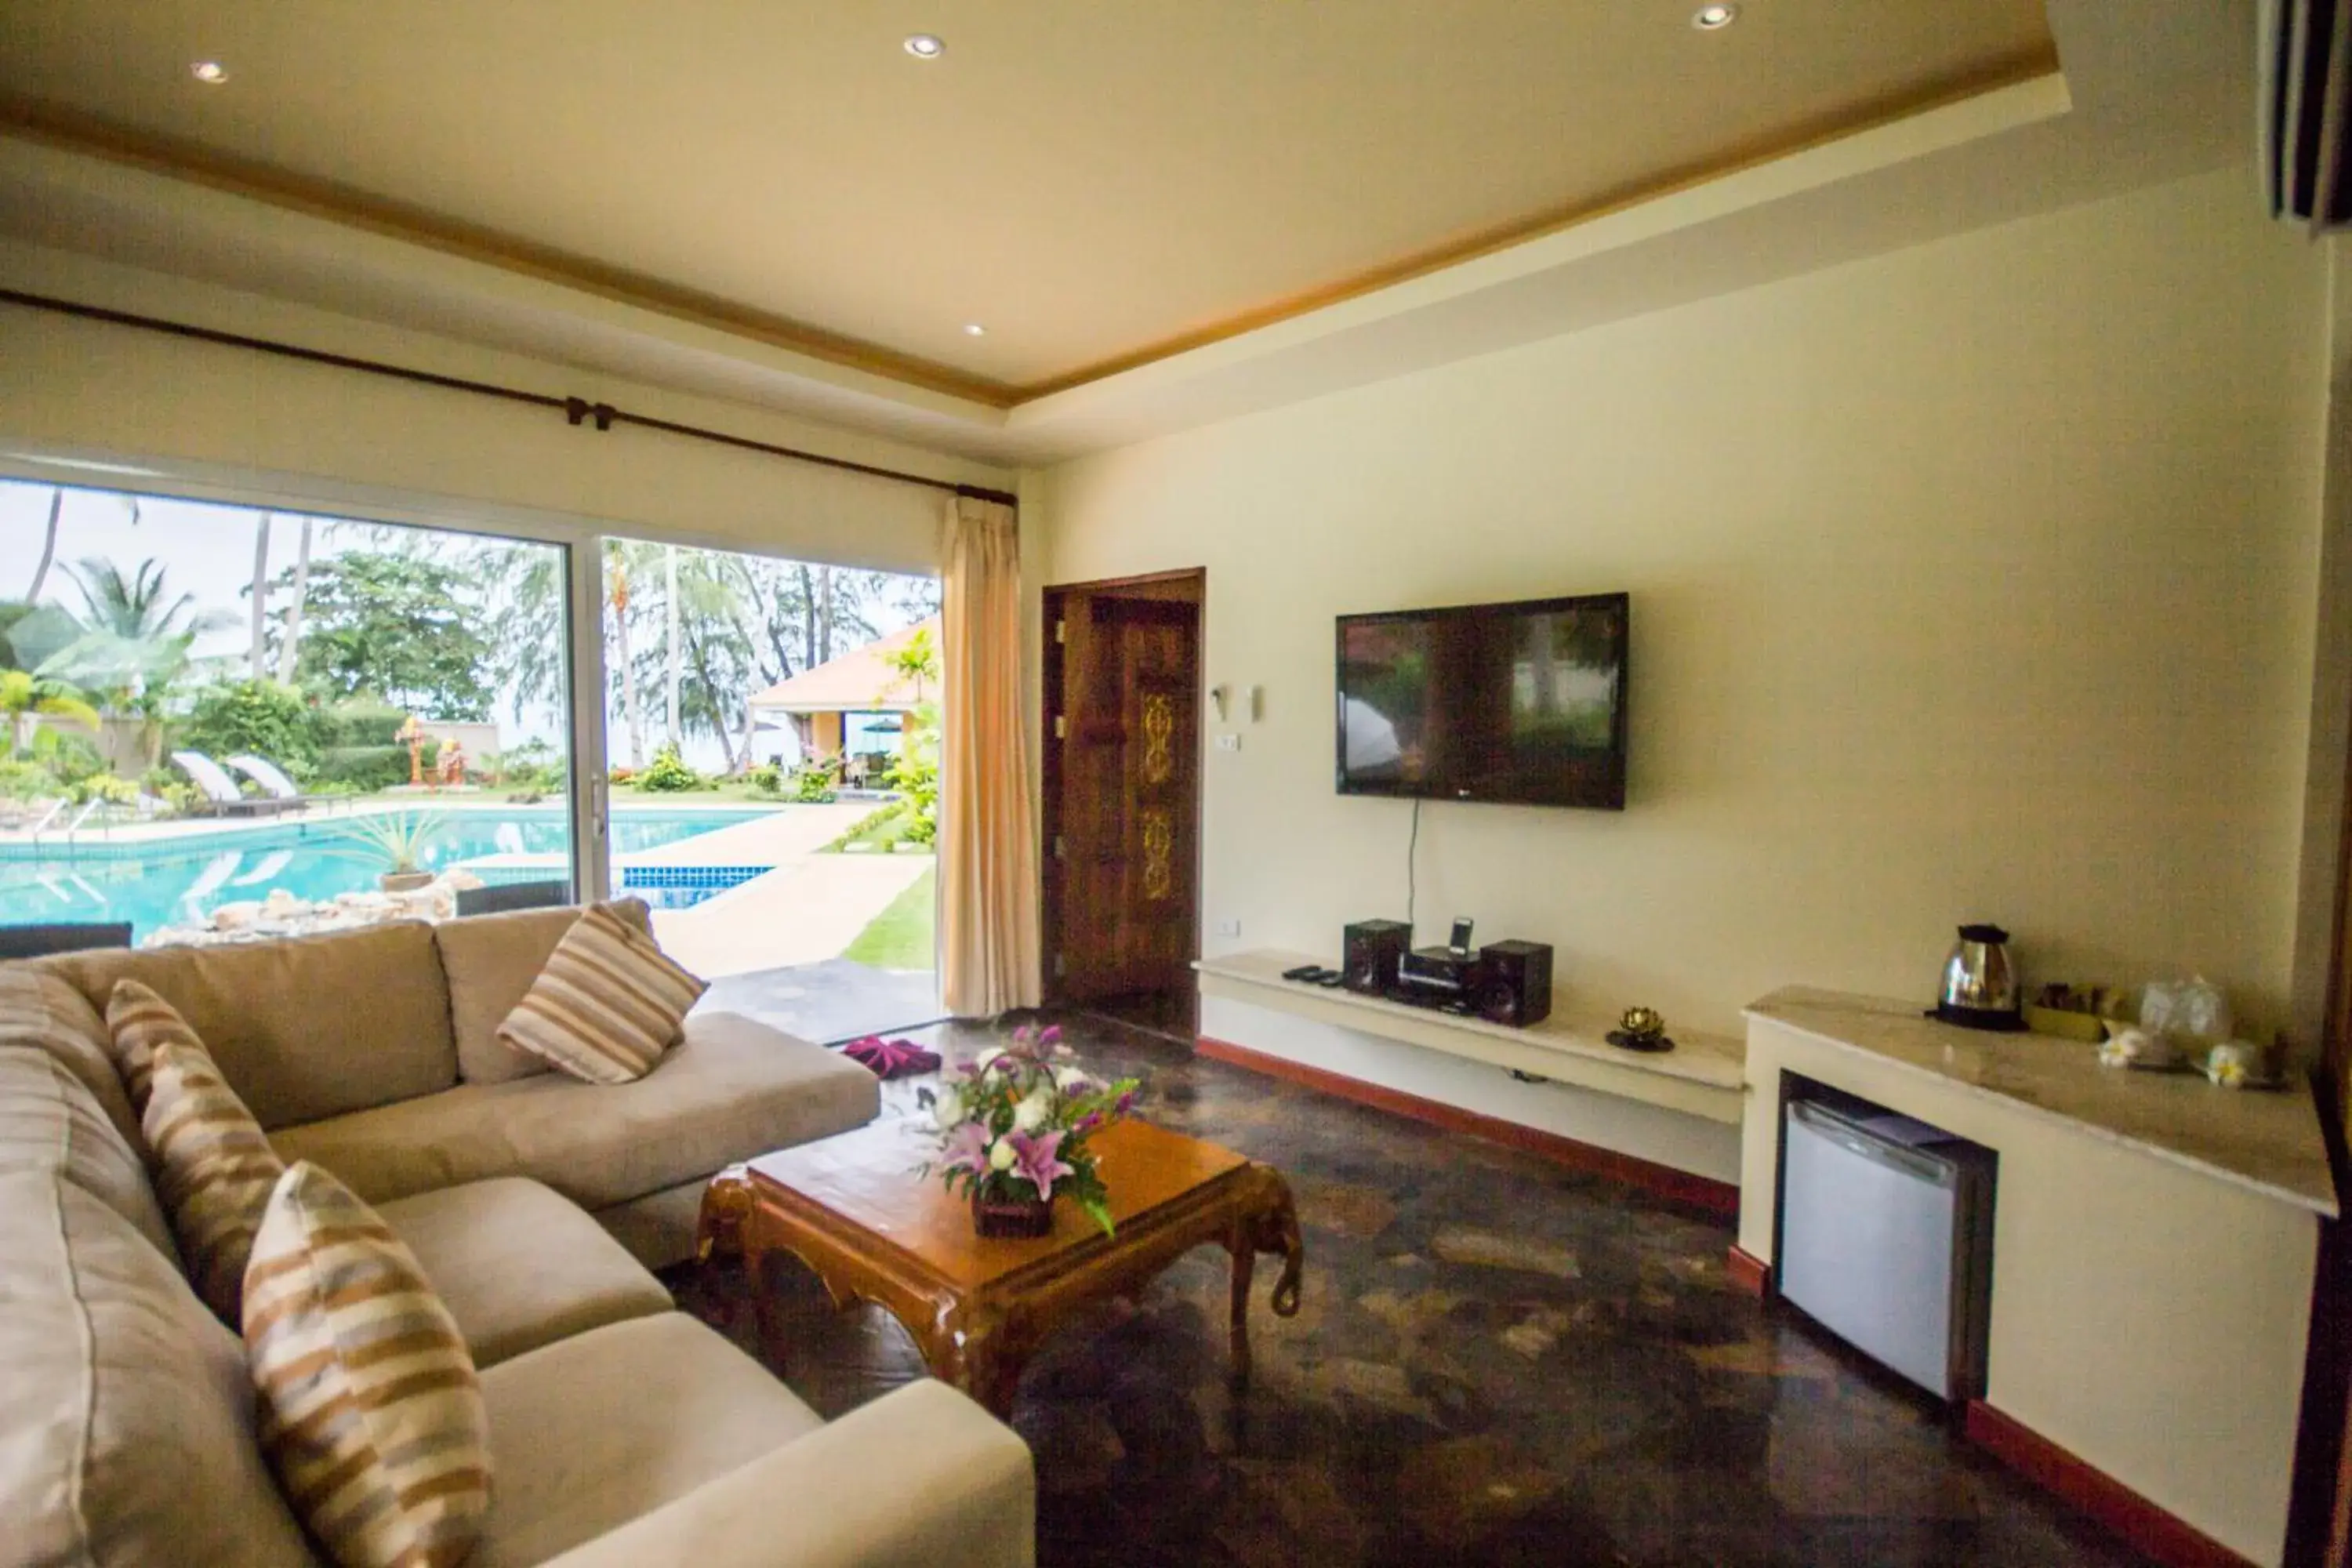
(2305, 51)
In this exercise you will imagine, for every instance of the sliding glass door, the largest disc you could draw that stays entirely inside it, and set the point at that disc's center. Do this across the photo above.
(772, 762)
(223, 722)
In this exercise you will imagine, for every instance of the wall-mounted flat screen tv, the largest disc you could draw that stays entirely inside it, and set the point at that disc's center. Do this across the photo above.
(1519, 703)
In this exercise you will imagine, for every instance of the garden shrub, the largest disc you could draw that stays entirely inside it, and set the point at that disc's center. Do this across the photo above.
(767, 778)
(812, 783)
(262, 717)
(360, 722)
(21, 780)
(368, 768)
(102, 786)
(668, 774)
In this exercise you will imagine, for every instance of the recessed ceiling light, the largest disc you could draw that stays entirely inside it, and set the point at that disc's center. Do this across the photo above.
(1713, 18)
(925, 45)
(974, 329)
(211, 73)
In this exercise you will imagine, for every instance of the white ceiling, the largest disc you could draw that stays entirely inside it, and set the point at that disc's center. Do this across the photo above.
(1239, 185)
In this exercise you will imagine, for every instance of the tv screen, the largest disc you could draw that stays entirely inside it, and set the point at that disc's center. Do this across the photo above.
(1522, 703)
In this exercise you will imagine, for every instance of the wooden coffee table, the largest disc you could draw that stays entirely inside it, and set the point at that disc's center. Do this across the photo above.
(854, 1210)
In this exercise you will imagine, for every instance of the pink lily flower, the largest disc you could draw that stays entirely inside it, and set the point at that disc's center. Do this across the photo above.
(1033, 1157)
(967, 1149)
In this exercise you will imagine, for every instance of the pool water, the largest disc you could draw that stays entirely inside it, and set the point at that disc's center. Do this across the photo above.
(174, 881)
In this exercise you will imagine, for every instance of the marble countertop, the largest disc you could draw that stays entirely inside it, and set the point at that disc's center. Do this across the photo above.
(2270, 1142)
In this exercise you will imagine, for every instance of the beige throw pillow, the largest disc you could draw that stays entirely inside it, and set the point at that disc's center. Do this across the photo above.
(609, 1002)
(139, 1020)
(214, 1168)
(369, 1406)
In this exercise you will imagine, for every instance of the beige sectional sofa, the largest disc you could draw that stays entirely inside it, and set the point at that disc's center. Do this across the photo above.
(622, 1432)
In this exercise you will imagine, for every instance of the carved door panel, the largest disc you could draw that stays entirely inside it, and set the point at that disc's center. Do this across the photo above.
(1130, 739)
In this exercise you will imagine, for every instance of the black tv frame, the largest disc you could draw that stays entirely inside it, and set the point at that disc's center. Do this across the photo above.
(1615, 801)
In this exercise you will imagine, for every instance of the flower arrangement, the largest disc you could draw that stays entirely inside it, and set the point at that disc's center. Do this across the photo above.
(1014, 1124)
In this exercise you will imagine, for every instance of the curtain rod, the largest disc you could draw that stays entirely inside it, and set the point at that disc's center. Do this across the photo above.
(575, 409)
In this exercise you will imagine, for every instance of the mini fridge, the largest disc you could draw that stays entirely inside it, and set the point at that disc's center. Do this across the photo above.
(1887, 1239)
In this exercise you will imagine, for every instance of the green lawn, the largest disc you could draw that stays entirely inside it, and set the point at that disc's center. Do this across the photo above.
(902, 936)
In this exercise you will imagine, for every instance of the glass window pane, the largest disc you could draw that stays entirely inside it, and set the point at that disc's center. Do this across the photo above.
(223, 722)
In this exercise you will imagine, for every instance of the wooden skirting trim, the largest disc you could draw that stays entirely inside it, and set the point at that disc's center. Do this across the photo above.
(1716, 1198)
(1749, 1272)
(2163, 1537)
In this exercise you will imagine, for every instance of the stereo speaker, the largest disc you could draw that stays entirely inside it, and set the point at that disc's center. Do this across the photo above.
(1372, 951)
(1514, 983)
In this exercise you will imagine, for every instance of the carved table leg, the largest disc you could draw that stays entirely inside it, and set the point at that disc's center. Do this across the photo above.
(972, 1351)
(726, 1203)
(1242, 1245)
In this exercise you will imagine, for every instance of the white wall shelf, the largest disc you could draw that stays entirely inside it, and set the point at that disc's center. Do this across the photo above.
(1703, 1076)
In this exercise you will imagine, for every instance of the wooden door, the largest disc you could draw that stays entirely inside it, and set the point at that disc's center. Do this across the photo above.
(1122, 877)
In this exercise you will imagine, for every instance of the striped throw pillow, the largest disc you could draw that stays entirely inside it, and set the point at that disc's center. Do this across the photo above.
(609, 1002)
(214, 1168)
(139, 1020)
(369, 1407)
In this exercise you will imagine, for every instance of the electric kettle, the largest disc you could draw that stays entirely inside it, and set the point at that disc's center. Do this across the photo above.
(1980, 989)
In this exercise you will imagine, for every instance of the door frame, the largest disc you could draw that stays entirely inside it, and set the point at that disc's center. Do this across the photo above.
(1055, 600)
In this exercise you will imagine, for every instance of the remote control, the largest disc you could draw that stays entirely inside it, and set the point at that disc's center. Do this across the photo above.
(1304, 971)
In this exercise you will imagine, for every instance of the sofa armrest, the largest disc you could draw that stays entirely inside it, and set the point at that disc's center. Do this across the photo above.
(920, 1477)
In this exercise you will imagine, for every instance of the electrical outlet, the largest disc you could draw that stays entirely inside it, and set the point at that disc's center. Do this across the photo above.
(1229, 742)
(1229, 928)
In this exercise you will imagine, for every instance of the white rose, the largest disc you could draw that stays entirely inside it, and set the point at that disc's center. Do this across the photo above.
(946, 1110)
(987, 1058)
(1001, 1155)
(1030, 1113)
(1064, 1077)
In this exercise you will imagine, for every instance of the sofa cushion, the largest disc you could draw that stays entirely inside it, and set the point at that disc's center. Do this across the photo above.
(309, 1026)
(609, 1002)
(519, 1266)
(129, 1437)
(213, 1169)
(623, 1453)
(732, 1090)
(50, 1121)
(371, 1412)
(45, 1012)
(490, 961)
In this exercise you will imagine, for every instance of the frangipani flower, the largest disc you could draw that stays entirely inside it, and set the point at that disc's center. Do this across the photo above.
(1036, 1158)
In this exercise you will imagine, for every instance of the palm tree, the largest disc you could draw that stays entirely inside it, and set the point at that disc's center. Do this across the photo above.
(260, 593)
(132, 643)
(23, 694)
(289, 644)
(48, 546)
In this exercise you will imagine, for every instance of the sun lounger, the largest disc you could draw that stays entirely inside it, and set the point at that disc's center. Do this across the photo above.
(220, 791)
(272, 780)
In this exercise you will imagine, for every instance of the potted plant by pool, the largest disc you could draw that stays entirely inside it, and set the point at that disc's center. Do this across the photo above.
(1013, 1127)
(395, 841)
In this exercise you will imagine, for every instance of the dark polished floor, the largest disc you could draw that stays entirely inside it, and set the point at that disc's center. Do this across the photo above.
(1495, 1362)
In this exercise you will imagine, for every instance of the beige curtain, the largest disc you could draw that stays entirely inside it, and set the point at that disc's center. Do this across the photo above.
(988, 842)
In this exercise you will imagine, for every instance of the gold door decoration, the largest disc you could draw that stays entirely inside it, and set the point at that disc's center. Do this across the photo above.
(1159, 852)
(1159, 738)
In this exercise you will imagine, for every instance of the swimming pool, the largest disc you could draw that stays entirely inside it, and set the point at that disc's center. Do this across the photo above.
(169, 881)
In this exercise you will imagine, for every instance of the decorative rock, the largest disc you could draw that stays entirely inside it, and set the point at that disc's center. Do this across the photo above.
(282, 914)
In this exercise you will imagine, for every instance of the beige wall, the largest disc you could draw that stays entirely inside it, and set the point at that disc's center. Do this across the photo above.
(311, 436)
(1972, 582)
